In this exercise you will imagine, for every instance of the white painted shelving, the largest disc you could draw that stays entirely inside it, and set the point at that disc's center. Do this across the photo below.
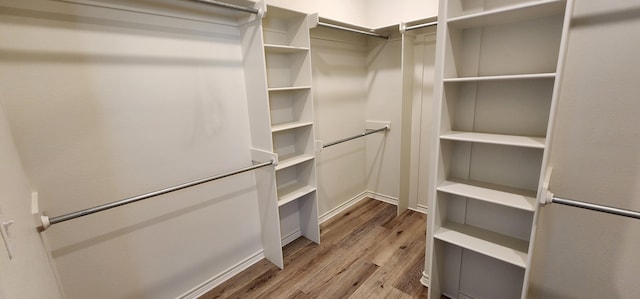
(498, 67)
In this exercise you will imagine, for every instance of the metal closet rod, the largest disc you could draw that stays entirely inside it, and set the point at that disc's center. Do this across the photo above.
(435, 23)
(386, 128)
(353, 30)
(594, 207)
(126, 201)
(252, 10)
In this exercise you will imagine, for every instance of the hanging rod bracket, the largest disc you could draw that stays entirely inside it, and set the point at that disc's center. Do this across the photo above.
(547, 197)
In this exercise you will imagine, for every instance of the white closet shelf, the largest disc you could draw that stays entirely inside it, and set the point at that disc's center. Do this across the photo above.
(288, 88)
(283, 49)
(510, 140)
(293, 159)
(501, 247)
(496, 194)
(289, 126)
(502, 77)
(291, 192)
(513, 13)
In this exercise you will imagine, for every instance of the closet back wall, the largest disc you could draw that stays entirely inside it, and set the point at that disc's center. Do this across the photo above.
(107, 104)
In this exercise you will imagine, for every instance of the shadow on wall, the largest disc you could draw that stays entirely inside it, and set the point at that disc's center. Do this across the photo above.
(596, 158)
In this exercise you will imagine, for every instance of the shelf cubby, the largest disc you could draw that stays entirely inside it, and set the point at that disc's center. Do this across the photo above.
(288, 69)
(295, 181)
(518, 107)
(512, 48)
(294, 142)
(290, 106)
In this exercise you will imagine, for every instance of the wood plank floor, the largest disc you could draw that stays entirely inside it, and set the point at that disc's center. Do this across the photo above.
(365, 252)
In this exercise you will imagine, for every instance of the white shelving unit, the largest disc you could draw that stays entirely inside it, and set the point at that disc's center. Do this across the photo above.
(498, 68)
(288, 69)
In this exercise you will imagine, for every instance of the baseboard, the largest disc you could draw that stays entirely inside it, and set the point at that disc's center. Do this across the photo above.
(382, 197)
(424, 280)
(421, 209)
(339, 209)
(291, 237)
(213, 282)
(462, 295)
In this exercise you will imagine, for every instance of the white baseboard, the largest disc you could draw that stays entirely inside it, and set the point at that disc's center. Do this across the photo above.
(339, 209)
(424, 280)
(462, 295)
(382, 197)
(421, 209)
(213, 282)
(291, 237)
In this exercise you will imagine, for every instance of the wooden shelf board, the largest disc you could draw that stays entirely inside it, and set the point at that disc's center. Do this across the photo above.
(496, 194)
(288, 88)
(519, 12)
(291, 160)
(501, 247)
(292, 192)
(273, 48)
(289, 126)
(502, 77)
(511, 140)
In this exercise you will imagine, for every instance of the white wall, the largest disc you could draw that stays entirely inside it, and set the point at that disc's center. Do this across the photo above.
(595, 155)
(384, 103)
(367, 13)
(352, 11)
(382, 13)
(106, 104)
(340, 98)
(28, 274)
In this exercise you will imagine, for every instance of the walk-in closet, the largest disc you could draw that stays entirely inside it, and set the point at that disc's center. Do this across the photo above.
(459, 149)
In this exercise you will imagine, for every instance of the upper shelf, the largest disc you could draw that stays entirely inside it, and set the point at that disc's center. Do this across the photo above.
(500, 195)
(519, 12)
(502, 77)
(510, 140)
(282, 49)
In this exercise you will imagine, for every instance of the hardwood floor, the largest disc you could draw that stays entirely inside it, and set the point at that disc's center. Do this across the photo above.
(365, 252)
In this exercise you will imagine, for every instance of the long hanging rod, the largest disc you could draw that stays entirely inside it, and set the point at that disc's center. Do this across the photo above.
(386, 128)
(595, 207)
(435, 23)
(229, 5)
(48, 222)
(353, 30)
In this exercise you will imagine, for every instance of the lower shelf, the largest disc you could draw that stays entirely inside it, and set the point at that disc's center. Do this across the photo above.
(501, 247)
(292, 192)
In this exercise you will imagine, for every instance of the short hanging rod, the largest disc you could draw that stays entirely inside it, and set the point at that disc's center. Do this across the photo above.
(386, 128)
(252, 10)
(597, 208)
(50, 221)
(352, 30)
(435, 23)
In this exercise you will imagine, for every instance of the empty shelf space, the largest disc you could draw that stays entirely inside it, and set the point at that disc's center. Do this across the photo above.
(289, 193)
(273, 48)
(496, 194)
(291, 160)
(501, 247)
(289, 126)
(502, 77)
(287, 88)
(519, 12)
(511, 140)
